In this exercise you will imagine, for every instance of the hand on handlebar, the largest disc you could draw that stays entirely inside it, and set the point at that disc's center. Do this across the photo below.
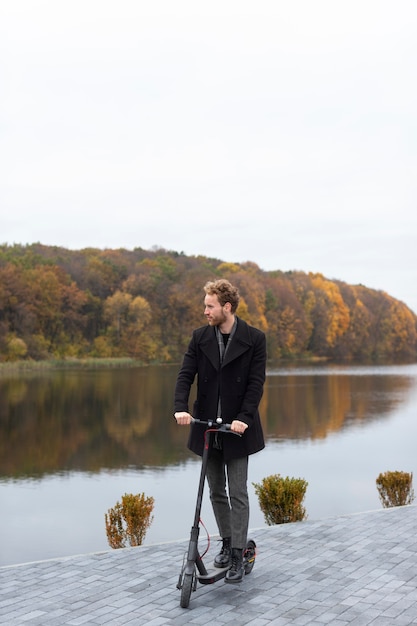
(238, 427)
(183, 418)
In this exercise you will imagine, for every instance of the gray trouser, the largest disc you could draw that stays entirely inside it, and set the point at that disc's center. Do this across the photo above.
(231, 507)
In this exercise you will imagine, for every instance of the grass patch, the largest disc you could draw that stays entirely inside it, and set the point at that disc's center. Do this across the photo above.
(71, 363)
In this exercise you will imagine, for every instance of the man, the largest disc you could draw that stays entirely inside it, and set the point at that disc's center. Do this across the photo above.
(229, 358)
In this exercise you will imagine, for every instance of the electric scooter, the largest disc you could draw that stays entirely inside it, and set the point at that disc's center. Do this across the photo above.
(193, 569)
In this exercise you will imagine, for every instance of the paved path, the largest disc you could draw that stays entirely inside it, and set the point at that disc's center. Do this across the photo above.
(353, 570)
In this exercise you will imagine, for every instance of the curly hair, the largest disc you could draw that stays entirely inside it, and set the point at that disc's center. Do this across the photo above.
(224, 291)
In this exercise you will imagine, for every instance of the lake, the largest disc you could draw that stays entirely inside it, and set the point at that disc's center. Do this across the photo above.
(72, 442)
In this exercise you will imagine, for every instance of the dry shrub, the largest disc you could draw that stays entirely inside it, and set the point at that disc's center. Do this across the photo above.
(128, 521)
(395, 488)
(281, 499)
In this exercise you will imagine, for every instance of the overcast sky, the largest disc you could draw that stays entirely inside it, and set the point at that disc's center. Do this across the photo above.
(278, 132)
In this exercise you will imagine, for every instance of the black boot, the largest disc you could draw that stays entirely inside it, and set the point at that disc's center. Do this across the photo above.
(235, 573)
(223, 559)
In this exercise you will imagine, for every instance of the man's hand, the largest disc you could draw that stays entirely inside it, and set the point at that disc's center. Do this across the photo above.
(183, 418)
(238, 427)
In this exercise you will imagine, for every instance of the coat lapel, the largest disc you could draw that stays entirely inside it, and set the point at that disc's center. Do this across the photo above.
(239, 344)
(208, 345)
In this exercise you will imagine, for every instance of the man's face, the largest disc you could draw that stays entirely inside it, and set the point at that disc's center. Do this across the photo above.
(214, 311)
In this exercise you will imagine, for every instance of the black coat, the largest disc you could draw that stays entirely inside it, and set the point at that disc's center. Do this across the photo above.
(239, 380)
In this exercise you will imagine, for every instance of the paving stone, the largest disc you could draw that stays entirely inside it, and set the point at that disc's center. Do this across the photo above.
(353, 570)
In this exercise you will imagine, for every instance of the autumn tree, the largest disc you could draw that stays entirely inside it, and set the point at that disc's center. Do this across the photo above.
(128, 318)
(331, 315)
(144, 304)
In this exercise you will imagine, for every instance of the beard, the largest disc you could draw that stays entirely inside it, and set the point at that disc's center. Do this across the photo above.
(218, 319)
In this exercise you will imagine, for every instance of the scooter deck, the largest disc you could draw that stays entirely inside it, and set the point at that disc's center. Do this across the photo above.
(212, 575)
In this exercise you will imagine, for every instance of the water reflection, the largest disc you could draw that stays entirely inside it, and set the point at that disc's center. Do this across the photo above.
(311, 404)
(89, 420)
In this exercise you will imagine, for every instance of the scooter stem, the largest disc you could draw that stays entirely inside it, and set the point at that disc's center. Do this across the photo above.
(193, 556)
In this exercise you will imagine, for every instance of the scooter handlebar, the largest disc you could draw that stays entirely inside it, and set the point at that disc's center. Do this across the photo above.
(217, 424)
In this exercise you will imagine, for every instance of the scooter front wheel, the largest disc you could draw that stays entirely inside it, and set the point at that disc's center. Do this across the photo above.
(186, 589)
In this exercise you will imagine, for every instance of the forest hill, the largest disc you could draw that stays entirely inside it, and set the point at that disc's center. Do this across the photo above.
(143, 304)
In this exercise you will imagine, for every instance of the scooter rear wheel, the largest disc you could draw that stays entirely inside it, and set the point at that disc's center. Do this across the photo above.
(186, 589)
(249, 556)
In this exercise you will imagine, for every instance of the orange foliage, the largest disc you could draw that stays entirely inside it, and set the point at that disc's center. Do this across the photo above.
(144, 304)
